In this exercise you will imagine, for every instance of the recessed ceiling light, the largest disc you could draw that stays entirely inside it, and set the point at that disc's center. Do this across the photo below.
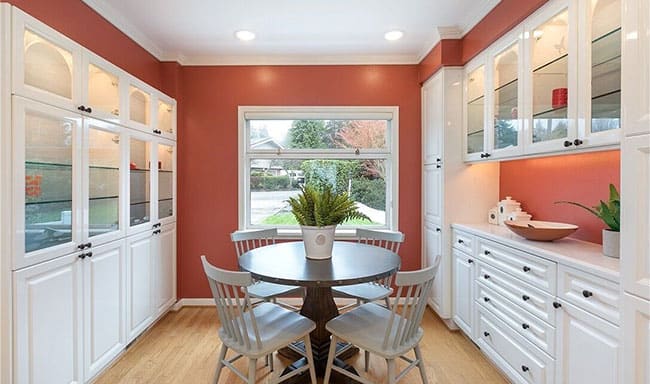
(393, 35)
(245, 35)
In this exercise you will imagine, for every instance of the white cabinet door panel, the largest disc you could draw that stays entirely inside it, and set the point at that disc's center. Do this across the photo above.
(139, 284)
(164, 268)
(463, 292)
(636, 340)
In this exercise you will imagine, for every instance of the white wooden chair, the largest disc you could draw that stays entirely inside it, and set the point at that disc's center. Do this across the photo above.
(254, 332)
(364, 326)
(376, 290)
(244, 241)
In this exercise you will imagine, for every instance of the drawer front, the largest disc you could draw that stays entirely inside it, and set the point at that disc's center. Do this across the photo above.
(534, 270)
(533, 329)
(526, 363)
(463, 241)
(593, 294)
(531, 299)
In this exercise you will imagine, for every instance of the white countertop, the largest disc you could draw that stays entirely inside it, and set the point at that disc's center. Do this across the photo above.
(579, 254)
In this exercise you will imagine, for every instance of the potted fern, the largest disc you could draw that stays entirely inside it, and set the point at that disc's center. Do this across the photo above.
(610, 213)
(319, 212)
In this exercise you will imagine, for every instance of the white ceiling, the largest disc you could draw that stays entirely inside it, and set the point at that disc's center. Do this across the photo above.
(201, 32)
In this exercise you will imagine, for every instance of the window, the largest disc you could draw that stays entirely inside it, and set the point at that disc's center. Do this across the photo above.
(352, 149)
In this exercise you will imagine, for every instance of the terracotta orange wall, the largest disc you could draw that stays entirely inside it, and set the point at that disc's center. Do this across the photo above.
(82, 24)
(207, 154)
(446, 53)
(584, 178)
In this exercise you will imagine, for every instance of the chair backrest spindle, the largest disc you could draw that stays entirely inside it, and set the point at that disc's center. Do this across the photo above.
(244, 241)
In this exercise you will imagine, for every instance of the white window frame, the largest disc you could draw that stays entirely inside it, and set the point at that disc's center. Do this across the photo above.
(390, 154)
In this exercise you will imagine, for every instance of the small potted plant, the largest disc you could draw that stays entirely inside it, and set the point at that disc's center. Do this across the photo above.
(610, 213)
(319, 212)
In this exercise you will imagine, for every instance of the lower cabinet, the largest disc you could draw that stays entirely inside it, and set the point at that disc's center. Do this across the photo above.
(138, 289)
(636, 340)
(589, 348)
(164, 269)
(47, 322)
(463, 291)
(433, 254)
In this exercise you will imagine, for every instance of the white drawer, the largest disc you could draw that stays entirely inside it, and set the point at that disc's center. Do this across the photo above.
(525, 362)
(534, 270)
(593, 294)
(533, 329)
(463, 241)
(531, 299)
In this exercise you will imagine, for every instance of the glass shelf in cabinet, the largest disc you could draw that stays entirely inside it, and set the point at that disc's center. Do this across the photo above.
(549, 67)
(553, 113)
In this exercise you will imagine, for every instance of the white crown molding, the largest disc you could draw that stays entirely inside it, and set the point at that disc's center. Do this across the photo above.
(441, 33)
(112, 16)
(480, 11)
(302, 60)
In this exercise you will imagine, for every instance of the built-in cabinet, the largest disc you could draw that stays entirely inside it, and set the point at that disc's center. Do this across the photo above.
(550, 85)
(540, 313)
(92, 205)
(635, 192)
(444, 177)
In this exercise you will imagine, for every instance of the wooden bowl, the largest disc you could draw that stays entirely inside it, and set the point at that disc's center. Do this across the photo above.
(541, 230)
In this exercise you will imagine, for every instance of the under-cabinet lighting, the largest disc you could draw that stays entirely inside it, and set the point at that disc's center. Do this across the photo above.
(538, 34)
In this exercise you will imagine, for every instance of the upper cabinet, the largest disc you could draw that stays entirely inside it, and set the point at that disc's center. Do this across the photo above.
(551, 85)
(50, 68)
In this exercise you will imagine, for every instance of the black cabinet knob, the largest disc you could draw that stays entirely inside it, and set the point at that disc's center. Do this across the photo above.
(587, 294)
(487, 155)
(525, 326)
(486, 276)
(470, 261)
(460, 241)
(567, 143)
(577, 142)
(556, 305)
(81, 246)
(482, 155)
(525, 368)
(526, 269)
(82, 256)
(486, 299)
(82, 108)
(486, 252)
(438, 166)
(525, 297)
(89, 254)
(438, 229)
(438, 159)
(486, 333)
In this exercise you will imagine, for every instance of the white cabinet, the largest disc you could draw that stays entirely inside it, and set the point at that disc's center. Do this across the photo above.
(47, 322)
(103, 87)
(433, 253)
(139, 270)
(104, 306)
(164, 269)
(463, 291)
(636, 340)
(589, 348)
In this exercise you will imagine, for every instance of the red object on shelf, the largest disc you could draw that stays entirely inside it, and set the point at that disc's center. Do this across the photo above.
(559, 97)
(133, 166)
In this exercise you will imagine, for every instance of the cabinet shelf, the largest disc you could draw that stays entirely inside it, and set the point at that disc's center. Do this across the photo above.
(46, 164)
(475, 133)
(547, 68)
(139, 170)
(47, 202)
(166, 199)
(506, 85)
(164, 171)
(141, 203)
(553, 113)
(476, 100)
(103, 198)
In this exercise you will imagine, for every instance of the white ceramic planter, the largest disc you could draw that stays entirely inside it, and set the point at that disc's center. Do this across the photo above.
(318, 241)
(611, 243)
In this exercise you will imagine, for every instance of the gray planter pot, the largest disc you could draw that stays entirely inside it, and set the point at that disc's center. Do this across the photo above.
(611, 243)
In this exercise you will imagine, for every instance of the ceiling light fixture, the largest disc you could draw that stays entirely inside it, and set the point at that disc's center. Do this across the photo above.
(393, 35)
(244, 35)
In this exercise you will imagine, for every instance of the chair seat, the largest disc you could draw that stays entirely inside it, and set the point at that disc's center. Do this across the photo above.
(364, 291)
(277, 327)
(365, 327)
(264, 290)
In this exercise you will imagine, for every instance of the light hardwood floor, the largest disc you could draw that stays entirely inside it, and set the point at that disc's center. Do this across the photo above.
(183, 346)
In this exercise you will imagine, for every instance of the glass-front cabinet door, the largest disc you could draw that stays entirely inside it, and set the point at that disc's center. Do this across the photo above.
(139, 108)
(475, 111)
(103, 182)
(140, 181)
(552, 125)
(102, 89)
(602, 122)
(505, 135)
(166, 117)
(47, 181)
(45, 63)
(166, 182)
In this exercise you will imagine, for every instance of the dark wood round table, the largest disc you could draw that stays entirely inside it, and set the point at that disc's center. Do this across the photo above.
(351, 263)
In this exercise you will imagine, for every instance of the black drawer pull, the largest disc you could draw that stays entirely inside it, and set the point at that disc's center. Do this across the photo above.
(486, 299)
(486, 252)
(486, 276)
(587, 294)
(525, 297)
(526, 269)
(486, 333)
(567, 143)
(525, 326)
(89, 254)
(525, 368)
(460, 241)
(470, 261)
(82, 256)
(556, 305)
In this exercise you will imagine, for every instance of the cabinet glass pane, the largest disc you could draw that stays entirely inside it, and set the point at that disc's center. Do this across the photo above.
(475, 110)
(104, 182)
(48, 181)
(506, 98)
(139, 105)
(165, 117)
(47, 66)
(103, 90)
(165, 181)
(140, 179)
(605, 65)
(550, 79)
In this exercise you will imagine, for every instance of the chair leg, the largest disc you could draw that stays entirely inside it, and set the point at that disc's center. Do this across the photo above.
(222, 356)
(252, 367)
(391, 371)
(418, 355)
(310, 359)
(387, 302)
(330, 360)
(270, 357)
(366, 357)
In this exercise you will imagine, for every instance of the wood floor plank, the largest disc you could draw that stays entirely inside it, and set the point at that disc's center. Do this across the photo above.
(183, 348)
